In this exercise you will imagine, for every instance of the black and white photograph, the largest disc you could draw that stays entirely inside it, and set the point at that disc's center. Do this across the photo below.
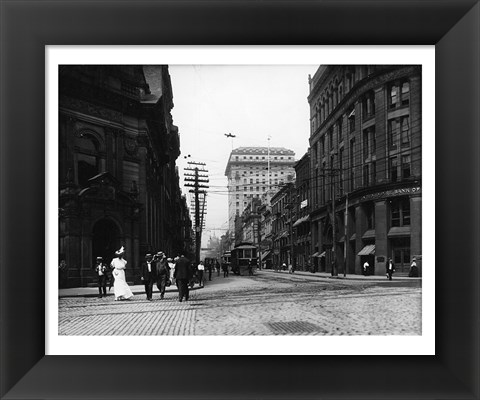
(240, 200)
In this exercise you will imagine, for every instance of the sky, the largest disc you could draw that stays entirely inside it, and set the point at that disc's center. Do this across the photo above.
(252, 103)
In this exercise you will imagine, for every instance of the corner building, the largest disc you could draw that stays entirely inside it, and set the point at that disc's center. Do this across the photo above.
(366, 166)
(248, 176)
(118, 182)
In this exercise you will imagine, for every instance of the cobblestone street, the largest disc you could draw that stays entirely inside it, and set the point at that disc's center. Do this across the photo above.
(266, 304)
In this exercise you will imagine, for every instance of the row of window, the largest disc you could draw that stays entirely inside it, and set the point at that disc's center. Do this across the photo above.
(334, 92)
(398, 95)
(238, 158)
(399, 168)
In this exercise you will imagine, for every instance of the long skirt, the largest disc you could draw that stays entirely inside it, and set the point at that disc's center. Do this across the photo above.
(120, 286)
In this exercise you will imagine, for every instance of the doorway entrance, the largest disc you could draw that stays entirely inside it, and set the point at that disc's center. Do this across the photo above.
(106, 239)
(401, 254)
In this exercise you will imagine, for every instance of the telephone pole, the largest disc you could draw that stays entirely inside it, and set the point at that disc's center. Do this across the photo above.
(332, 173)
(197, 181)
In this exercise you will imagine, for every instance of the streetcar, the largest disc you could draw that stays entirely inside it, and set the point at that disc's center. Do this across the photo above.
(241, 255)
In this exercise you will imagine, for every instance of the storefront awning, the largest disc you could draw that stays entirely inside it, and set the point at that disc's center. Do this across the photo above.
(368, 250)
(399, 231)
(265, 254)
(322, 254)
(317, 254)
(353, 237)
(301, 220)
(370, 234)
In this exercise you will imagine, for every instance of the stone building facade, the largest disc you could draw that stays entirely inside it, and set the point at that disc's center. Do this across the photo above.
(366, 166)
(248, 175)
(118, 182)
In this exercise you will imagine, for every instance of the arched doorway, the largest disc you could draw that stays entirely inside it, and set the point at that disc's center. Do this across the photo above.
(106, 239)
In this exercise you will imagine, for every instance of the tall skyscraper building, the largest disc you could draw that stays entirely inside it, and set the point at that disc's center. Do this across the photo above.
(254, 171)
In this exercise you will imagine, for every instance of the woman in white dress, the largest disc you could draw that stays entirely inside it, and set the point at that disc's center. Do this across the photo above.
(120, 287)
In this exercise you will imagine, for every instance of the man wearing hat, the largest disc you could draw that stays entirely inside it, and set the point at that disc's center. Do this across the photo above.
(162, 272)
(148, 275)
(101, 271)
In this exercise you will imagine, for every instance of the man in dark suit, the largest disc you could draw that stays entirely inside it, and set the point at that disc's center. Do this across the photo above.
(162, 271)
(390, 268)
(148, 275)
(101, 270)
(182, 275)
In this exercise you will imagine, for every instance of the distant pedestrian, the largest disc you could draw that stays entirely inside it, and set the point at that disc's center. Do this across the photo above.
(250, 267)
(366, 267)
(225, 270)
(120, 287)
(217, 267)
(148, 275)
(162, 273)
(101, 271)
(200, 272)
(390, 267)
(284, 267)
(182, 275)
(209, 268)
(62, 274)
(413, 273)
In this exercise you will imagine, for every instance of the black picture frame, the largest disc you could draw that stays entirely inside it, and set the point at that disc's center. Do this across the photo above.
(28, 26)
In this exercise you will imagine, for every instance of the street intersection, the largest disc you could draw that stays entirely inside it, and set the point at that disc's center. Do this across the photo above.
(268, 303)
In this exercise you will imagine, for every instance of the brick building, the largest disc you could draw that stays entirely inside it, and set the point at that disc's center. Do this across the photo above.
(301, 226)
(365, 157)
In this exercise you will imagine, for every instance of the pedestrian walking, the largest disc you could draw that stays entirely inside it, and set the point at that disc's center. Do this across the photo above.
(390, 267)
(148, 276)
(217, 267)
(171, 266)
(210, 268)
(413, 273)
(200, 272)
(162, 272)
(101, 271)
(366, 267)
(120, 287)
(250, 267)
(182, 275)
(225, 270)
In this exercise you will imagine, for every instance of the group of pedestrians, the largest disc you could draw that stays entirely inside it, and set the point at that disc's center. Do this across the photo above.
(156, 269)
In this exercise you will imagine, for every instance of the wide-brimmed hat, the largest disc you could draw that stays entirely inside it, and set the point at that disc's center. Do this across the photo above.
(169, 259)
(99, 258)
(120, 251)
(160, 253)
(148, 255)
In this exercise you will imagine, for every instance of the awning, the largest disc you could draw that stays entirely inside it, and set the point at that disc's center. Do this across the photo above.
(352, 114)
(265, 254)
(399, 231)
(370, 234)
(353, 237)
(316, 254)
(322, 254)
(301, 220)
(368, 250)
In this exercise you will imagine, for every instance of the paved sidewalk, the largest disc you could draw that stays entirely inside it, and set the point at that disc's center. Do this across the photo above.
(328, 275)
